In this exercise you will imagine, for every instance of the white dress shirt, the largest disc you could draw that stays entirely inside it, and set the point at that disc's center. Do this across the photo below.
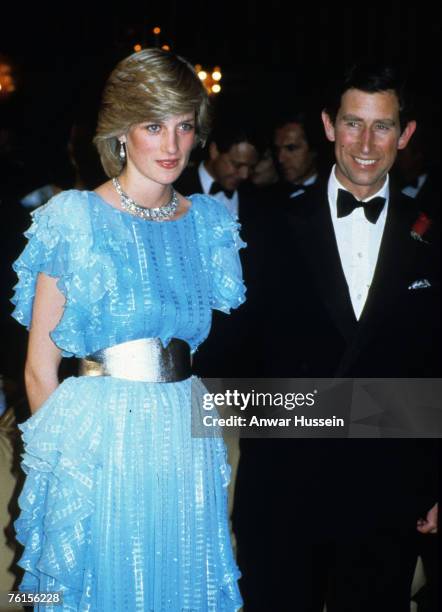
(232, 204)
(358, 242)
(299, 191)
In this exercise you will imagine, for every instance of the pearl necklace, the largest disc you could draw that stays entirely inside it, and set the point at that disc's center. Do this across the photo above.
(161, 213)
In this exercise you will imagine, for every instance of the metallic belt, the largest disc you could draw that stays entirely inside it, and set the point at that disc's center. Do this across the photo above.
(144, 360)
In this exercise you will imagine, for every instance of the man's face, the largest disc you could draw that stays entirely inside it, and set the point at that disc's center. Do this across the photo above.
(230, 169)
(367, 137)
(294, 156)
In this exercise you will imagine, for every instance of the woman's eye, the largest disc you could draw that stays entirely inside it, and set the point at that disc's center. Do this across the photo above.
(187, 127)
(153, 128)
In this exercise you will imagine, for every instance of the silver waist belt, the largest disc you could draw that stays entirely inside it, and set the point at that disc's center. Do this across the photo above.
(145, 360)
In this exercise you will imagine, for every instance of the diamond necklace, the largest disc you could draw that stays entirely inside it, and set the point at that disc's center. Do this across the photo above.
(162, 213)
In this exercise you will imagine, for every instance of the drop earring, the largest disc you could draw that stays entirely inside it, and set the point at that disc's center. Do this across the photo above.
(122, 151)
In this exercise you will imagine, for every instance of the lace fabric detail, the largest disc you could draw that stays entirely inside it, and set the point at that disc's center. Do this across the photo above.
(221, 234)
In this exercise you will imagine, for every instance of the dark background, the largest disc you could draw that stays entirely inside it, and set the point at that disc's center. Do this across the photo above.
(270, 58)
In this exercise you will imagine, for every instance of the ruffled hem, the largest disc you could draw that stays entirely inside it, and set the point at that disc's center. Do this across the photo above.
(61, 461)
(67, 460)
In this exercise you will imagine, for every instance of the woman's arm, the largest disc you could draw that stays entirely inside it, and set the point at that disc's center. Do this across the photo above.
(43, 357)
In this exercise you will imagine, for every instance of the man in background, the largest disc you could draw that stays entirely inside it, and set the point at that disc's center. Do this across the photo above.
(232, 154)
(295, 150)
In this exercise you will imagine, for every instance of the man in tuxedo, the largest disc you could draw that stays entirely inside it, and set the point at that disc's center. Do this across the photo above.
(232, 154)
(295, 151)
(352, 294)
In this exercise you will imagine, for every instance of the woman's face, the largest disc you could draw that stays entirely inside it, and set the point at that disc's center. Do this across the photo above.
(160, 151)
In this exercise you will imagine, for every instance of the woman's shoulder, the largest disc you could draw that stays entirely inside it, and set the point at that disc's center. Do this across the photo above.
(63, 203)
(67, 208)
(215, 223)
(210, 209)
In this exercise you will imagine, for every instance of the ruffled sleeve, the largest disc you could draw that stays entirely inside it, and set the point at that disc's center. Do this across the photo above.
(224, 265)
(46, 251)
(62, 244)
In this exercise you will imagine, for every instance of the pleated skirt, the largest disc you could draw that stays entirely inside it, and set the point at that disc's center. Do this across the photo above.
(122, 508)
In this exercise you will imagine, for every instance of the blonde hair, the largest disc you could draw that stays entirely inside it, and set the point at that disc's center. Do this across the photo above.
(149, 85)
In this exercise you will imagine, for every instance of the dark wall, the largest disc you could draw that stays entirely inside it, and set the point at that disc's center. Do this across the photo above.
(268, 58)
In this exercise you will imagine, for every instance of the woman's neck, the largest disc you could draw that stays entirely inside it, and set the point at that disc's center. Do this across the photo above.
(145, 192)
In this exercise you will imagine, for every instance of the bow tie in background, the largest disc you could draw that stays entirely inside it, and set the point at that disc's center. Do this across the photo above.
(346, 204)
(216, 188)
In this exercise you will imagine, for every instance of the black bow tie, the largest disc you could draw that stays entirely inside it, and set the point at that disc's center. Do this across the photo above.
(216, 188)
(346, 204)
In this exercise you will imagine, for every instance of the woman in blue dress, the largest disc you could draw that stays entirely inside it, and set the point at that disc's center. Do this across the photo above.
(122, 508)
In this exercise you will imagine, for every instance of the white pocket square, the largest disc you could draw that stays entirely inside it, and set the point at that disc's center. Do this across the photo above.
(420, 284)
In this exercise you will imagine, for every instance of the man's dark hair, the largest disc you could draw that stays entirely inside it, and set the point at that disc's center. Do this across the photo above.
(228, 132)
(371, 78)
(310, 123)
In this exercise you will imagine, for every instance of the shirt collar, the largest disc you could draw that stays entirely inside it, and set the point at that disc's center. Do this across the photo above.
(205, 178)
(334, 185)
(299, 188)
(310, 181)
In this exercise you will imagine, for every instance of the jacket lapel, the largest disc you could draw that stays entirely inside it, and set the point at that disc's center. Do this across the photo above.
(393, 267)
(315, 238)
(393, 263)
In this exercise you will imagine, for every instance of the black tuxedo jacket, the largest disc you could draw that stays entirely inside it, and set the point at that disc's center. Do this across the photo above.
(428, 197)
(307, 328)
(189, 181)
(305, 301)
(428, 201)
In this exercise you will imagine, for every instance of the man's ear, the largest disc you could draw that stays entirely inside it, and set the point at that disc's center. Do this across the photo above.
(213, 151)
(329, 126)
(408, 132)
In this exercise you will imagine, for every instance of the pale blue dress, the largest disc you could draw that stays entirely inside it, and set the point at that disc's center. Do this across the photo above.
(123, 510)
